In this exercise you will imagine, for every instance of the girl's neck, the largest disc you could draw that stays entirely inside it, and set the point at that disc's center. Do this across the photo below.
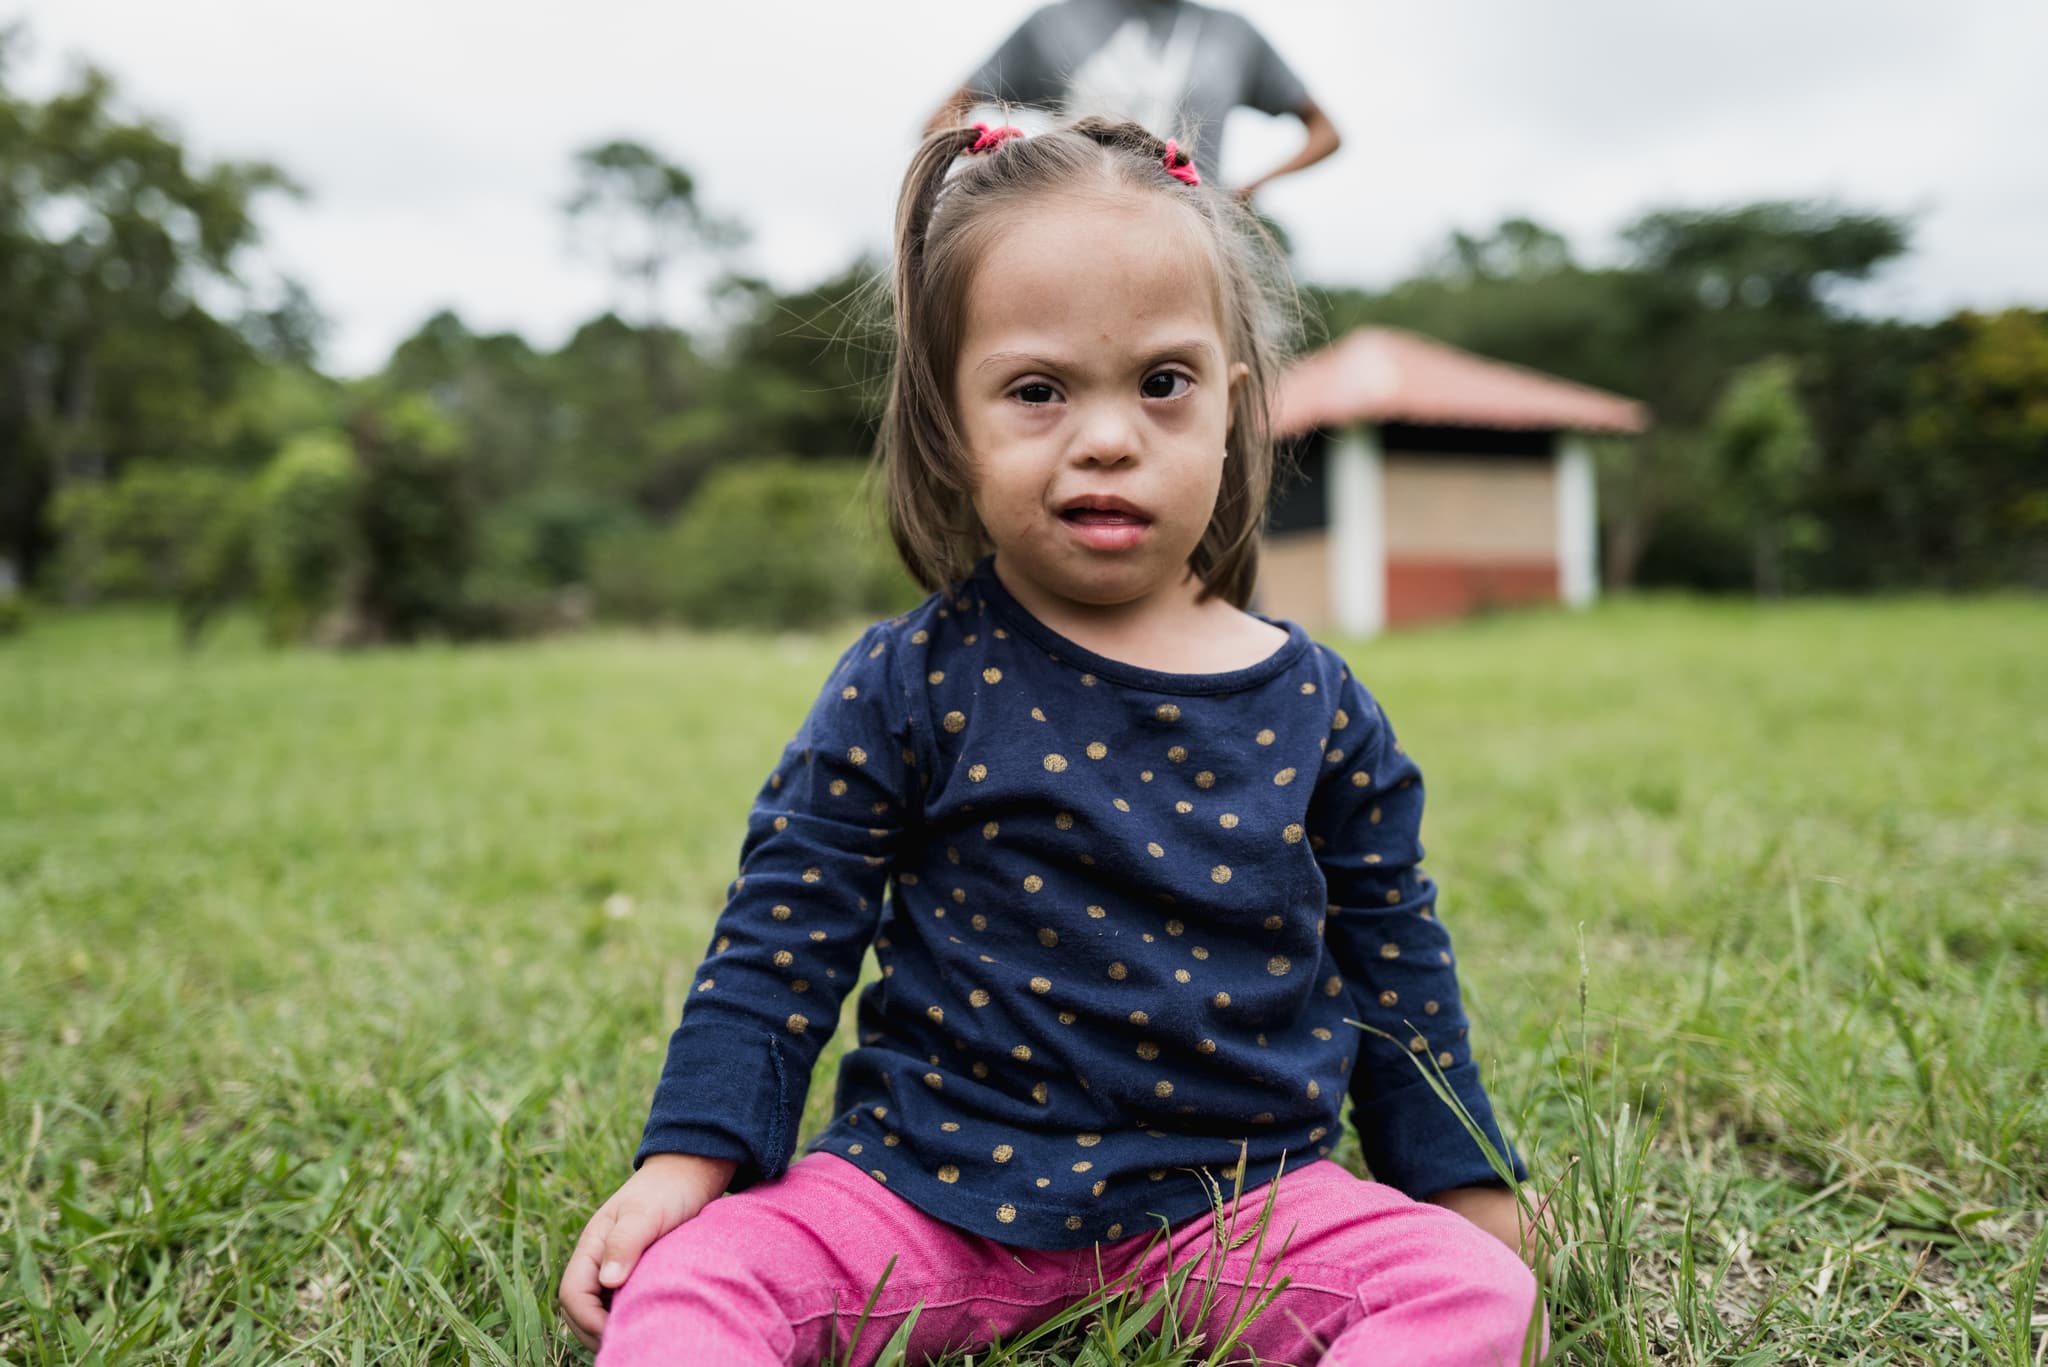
(1171, 630)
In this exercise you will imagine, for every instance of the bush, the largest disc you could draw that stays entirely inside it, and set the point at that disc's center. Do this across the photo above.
(306, 545)
(776, 544)
(418, 523)
(547, 538)
(13, 614)
(157, 532)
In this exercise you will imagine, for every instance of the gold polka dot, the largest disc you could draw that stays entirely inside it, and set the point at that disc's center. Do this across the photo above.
(1272, 923)
(1442, 954)
(1390, 950)
(1006, 1212)
(1097, 912)
(1021, 1052)
(1220, 999)
(1073, 1222)
(1032, 882)
(798, 1024)
(1152, 848)
(837, 787)
(1037, 714)
(934, 1081)
(1041, 1182)
(1087, 681)
(1096, 749)
(1183, 807)
(1220, 874)
(1419, 1045)
(960, 896)
(1314, 1089)
(1291, 833)
(1341, 720)
(1390, 998)
(1372, 859)
(1228, 821)
(857, 755)
(992, 675)
(780, 823)
(937, 1013)
(1114, 1232)
(1177, 754)
(990, 830)
(1332, 985)
(1038, 1092)
(1265, 736)
(1049, 938)
(978, 772)
(890, 1141)
(978, 921)
(856, 1148)
(1041, 985)
(1120, 805)
(937, 676)
(1084, 1166)
(1205, 779)
(1067, 1018)
(1118, 972)
(1065, 821)
(1056, 764)
(949, 1126)
(1140, 1018)
(1334, 757)
(980, 1068)
(978, 997)
(1279, 965)
(1444, 1060)
(1320, 1033)
(706, 985)
(783, 958)
(1199, 952)
(1166, 711)
(1002, 635)
(1147, 1050)
(1162, 1088)
(949, 1174)
(1307, 688)
(919, 637)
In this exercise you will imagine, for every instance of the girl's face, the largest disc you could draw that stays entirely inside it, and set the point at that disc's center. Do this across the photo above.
(1093, 391)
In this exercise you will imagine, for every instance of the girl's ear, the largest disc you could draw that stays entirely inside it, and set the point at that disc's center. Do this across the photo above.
(1238, 374)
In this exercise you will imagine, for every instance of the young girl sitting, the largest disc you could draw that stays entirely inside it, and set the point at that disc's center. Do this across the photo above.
(1129, 857)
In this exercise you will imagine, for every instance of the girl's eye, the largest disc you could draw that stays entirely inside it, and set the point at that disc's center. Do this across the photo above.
(1036, 393)
(1165, 384)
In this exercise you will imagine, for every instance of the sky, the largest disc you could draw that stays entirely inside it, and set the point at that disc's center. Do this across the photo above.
(435, 137)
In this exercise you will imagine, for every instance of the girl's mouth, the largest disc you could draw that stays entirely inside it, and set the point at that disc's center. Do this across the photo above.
(1107, 525)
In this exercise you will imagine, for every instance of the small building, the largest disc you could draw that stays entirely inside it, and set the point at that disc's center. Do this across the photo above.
(1433, 483)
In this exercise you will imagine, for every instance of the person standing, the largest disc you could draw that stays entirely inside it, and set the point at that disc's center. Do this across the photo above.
(1175, 67)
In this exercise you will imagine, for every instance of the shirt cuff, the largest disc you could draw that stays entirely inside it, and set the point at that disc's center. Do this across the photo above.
(1415, 1142)
(728, 1090)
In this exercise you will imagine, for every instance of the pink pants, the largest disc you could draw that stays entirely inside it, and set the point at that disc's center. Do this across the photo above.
(766, 1277)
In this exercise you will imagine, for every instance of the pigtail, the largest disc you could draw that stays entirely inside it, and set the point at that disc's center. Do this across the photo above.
(919, 435)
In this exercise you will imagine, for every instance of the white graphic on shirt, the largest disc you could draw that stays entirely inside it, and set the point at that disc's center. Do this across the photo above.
(1129, 77)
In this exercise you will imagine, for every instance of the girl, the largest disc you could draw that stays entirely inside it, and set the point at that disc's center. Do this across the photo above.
(1129, 856)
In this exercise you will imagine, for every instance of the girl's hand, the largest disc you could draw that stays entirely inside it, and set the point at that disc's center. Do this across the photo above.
(1495, 1210)
(669, 1189)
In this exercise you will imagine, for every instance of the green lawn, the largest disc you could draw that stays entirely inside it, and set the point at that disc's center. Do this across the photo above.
(332, 988)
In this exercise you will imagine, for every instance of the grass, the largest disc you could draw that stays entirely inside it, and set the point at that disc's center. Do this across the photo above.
(332, 988)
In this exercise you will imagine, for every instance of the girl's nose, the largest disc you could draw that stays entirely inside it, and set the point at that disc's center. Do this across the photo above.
(1107, 435)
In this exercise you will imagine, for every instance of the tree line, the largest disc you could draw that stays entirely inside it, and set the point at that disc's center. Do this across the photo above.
(166, 432)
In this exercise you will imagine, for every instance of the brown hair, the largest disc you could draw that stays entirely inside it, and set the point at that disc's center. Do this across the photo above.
(943, 226)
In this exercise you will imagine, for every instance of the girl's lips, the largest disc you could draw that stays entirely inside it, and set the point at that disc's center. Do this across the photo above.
(1106, 529)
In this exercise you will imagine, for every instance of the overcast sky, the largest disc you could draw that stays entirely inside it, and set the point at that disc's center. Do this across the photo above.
(435, 136)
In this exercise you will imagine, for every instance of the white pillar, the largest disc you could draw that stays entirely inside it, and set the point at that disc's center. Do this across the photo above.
(1358, 532)
(1578, 522)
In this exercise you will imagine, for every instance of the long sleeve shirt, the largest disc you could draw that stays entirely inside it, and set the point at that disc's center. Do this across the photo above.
(1123, 919)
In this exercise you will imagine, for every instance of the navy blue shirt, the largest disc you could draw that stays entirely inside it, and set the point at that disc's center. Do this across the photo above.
(1122, 919)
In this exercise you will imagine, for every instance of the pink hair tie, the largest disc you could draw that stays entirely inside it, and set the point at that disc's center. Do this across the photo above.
(992, 138)
(1179, 165)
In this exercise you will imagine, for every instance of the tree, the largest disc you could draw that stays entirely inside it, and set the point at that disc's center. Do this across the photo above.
(1763, 452)
(109, 232)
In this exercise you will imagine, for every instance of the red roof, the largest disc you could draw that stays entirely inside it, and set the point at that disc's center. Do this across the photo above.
(1378, 374)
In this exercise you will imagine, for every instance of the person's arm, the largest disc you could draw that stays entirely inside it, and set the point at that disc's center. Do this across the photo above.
(821, 839)
(1322, 139)
(1382, 930)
